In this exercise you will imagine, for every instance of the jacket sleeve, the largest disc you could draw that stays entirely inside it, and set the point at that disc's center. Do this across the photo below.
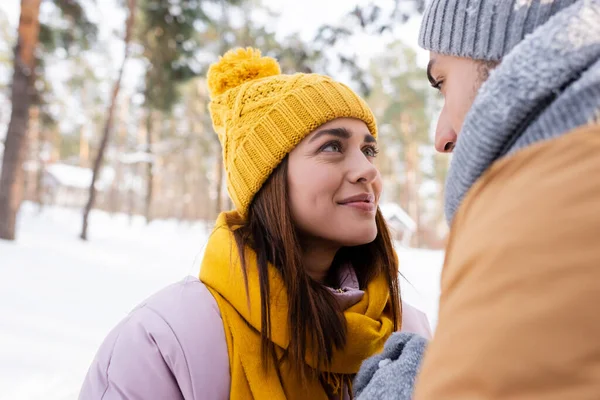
(521, 281)
(130, 364)
(171, 347)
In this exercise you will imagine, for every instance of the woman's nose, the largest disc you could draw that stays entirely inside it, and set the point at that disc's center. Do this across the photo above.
(364, 171)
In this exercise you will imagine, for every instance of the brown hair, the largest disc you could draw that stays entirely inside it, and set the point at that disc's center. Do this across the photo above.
(315, 321)
(484, 68)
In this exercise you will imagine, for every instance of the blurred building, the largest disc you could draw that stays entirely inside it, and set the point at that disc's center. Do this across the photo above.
(401, 225)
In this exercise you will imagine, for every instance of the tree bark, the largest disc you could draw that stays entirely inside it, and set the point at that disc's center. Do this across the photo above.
(42, 144)
(109, 119)
(15, 146)
(411, 150)
(116, 195)
(149, 167)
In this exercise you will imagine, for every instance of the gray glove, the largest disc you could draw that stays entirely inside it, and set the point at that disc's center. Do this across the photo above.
(391, 374)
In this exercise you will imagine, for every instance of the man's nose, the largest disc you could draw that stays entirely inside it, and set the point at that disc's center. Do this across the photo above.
(445, 141)
(445, 137)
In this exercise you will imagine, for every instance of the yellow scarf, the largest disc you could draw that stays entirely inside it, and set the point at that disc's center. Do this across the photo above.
(369, 324)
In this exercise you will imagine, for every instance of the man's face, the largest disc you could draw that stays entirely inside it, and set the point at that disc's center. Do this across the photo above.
(458, 80)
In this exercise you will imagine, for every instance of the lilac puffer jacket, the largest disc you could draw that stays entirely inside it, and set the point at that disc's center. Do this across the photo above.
(172, 346)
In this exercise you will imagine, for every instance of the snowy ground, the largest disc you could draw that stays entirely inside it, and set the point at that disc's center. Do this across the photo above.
(60, 296)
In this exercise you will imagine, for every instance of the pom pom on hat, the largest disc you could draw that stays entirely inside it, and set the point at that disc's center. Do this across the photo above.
(237, 67)
(260, 115)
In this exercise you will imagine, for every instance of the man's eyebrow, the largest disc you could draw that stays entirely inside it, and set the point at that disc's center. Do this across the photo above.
(432, 81)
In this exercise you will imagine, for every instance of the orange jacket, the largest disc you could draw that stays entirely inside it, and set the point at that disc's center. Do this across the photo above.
(520, 305)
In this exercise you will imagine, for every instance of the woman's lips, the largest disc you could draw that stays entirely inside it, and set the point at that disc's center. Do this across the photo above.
(361, 205)
(364, 202)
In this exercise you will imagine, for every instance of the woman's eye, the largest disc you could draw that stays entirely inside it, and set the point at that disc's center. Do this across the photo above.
(332, 148)
(370, 151)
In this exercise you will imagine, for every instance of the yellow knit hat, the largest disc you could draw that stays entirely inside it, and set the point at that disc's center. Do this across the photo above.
(260, 115)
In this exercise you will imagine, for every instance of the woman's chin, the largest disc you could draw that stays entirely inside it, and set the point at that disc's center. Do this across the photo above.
(357, 235)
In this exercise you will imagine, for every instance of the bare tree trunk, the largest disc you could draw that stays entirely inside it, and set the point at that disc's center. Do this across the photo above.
(411, 150)
(149, 167)
(15, 146)
(131, 193)
(109, 119)
(41, 160)
(186, 190)
(116, 195)
(32, 155)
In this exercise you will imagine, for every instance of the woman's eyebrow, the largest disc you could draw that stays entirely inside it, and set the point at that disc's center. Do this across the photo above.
(370, 138)
(341, 133)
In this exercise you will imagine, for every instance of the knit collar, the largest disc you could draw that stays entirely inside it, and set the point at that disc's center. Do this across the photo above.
(546, 86)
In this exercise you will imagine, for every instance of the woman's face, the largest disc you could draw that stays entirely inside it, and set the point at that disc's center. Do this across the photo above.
(334, 188)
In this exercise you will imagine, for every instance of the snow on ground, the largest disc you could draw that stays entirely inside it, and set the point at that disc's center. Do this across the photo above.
(60, 296)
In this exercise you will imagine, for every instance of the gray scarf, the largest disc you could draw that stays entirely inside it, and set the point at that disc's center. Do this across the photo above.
(545, 87)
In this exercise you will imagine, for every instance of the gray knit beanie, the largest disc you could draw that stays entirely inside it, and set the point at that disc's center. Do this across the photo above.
(483, 29)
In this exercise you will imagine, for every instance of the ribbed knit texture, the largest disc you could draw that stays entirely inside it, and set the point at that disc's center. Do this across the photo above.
(547, 86)
(483, 29)
(391, 375)
(260, 119)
